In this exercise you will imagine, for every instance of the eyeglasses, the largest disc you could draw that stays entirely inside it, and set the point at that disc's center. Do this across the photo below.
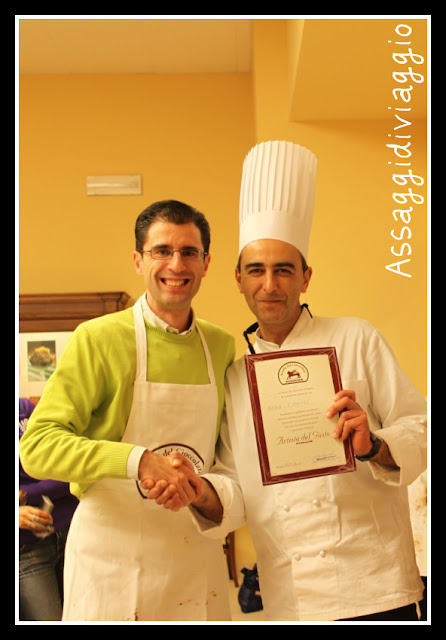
(188, 254)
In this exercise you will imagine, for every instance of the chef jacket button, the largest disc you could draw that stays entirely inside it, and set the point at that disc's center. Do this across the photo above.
(286, 507)
(297, 556)
(316, 502)
(322, 554)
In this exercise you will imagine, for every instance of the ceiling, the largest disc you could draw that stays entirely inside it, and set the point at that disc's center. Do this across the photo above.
(133, 45)
(340, 68)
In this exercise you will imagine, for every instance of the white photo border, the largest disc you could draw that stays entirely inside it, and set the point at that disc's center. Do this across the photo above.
(29, 387)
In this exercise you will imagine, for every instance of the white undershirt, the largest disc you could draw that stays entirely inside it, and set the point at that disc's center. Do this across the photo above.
(159, 323)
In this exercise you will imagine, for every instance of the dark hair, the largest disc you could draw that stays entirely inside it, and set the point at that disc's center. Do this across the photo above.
(304, 263)
(171, 211)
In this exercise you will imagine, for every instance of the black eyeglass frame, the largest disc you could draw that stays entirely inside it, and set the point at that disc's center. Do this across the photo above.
(200, 255)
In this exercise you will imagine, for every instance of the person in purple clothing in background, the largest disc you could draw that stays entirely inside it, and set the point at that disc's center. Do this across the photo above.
(42, 536)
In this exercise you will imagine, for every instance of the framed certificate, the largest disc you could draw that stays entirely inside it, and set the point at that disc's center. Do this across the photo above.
(290, 392)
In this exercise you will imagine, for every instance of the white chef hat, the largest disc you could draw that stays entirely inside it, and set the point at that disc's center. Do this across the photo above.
(277, 194)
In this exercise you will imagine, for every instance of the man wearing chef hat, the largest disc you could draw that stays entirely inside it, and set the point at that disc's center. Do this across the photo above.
(338, 546)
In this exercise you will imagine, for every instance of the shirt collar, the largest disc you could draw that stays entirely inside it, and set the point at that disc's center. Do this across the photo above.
(263, 346)
(159, 323)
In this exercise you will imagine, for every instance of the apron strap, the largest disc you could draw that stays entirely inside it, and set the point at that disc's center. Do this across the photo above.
(141, 345)
(207, 354)
(141, 341)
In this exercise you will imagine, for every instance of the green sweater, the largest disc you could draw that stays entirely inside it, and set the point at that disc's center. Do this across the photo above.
(74, 434)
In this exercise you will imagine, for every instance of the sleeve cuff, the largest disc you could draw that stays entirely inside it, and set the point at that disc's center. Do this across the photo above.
(133, 462)
(233, 508)
(407, 452)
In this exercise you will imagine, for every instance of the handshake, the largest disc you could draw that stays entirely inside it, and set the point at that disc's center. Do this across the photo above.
(173, 483)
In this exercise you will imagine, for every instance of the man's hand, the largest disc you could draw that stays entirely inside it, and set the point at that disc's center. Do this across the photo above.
(208, 504)
(353, 420)
(34, 519)
(170, 481)
(206, 499)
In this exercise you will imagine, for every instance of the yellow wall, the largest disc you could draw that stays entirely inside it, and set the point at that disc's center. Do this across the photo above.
(351, 237)
(187, 136)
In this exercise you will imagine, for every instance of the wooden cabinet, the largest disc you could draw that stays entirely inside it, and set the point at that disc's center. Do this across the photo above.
(64, 311)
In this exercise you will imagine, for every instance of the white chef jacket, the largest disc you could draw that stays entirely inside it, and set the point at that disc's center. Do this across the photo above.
(338, 546)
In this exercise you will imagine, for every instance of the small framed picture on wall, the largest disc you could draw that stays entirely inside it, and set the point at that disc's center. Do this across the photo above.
(39, 354)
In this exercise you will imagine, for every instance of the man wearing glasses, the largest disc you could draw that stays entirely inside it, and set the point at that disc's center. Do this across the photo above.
(131, 388)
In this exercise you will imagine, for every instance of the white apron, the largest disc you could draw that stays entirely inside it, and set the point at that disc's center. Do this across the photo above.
(128, 558)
